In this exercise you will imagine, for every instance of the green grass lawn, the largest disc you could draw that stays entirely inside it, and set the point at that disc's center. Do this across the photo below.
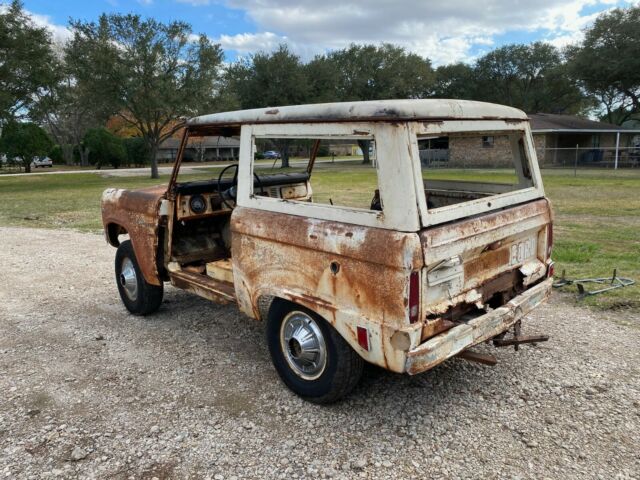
(597, 224)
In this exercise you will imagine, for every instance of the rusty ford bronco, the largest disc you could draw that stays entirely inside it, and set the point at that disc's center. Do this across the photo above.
(399, 233)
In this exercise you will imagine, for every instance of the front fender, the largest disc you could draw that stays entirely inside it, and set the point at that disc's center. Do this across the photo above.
(135, 212)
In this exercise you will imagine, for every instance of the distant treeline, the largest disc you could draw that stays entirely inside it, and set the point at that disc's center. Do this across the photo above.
(141, 77)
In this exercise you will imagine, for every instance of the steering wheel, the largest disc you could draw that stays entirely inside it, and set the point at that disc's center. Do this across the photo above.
(231, 191)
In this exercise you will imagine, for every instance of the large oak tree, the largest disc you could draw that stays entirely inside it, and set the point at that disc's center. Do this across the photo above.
(28, 65)
(150, 73)
(531, 77)
(267, 80)
(607, 63)
(370, 72)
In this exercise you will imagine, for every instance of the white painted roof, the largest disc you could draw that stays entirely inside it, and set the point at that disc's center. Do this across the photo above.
(376, 110)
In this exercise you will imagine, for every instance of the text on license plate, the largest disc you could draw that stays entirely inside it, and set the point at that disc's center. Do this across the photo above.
(522, 251)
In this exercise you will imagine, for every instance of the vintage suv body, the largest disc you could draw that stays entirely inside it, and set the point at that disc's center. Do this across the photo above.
(430, 268)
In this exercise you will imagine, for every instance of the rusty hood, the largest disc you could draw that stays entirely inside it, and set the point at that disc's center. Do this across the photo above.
(142, 200)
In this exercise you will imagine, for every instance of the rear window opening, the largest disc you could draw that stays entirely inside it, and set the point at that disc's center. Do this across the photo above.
(465, 167)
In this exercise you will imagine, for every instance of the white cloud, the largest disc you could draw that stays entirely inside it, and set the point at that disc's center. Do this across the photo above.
(443, 31)
(59, 33)
(145, 2)
(251, 42)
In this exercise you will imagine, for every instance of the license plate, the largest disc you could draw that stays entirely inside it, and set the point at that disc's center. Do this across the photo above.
(522, 251)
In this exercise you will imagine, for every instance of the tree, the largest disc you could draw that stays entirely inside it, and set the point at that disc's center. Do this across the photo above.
(456, 80)
(267, 80)
(607, 62)
(150, 73)
(27, 62)
(369, 72)
(67, 112)
(137, 151)
(55, 154)
(23, 141)
(104, 148)
(531, 77)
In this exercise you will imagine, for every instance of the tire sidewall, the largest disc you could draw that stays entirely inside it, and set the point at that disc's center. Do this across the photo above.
(125, 250)
(310, 389)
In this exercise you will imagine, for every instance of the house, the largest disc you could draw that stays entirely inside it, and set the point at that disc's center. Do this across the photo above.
(201, 149)
(555, 138)
(559, 138)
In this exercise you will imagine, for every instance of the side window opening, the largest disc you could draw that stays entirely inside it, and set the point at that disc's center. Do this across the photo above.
(334, 171)
(472, 166)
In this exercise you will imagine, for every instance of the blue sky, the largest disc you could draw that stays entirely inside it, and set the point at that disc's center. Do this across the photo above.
(455, 30)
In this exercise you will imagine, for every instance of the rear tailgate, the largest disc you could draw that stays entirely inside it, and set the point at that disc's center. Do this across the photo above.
(474, 261)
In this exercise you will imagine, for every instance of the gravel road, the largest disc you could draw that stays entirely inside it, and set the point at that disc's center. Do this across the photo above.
(89, 391)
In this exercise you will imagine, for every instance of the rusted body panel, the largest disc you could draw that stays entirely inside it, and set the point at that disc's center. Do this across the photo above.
(479, 251)
(446, 345)
(135, 212)
(348, 274)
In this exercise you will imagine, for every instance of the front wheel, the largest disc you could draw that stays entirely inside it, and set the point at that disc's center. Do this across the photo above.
(140, 297)
(310, 356)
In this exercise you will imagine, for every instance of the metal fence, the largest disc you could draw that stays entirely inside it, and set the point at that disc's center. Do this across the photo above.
(433, 158)
(575, 157)
(585, 157)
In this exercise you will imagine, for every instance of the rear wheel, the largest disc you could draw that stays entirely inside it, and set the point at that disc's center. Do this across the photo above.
(140, 297)
(310, 356)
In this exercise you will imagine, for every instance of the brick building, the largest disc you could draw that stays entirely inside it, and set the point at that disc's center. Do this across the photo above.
(555, 138)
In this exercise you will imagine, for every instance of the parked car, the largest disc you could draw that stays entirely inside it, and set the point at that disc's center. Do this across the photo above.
(431, 268)
(41, 162)
(271, 155)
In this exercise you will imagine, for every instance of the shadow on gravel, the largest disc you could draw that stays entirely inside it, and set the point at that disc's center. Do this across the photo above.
(236, 344)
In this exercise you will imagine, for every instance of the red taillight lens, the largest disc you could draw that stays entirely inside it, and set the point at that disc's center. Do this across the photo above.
(549, 239)
(414, 297)
(551, 269)
(363, 338)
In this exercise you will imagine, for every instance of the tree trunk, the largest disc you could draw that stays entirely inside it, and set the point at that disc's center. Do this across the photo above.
(154, 161)
(283, 146)
(84, 156)
(67, 153)
(364, 146)
(27, 166)
(285, 158)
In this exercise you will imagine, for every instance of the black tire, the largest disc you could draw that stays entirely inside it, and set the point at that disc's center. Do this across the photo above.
(343, 367)
(147, 297)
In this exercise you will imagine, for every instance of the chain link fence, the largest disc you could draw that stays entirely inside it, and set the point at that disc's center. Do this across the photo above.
(582, 157)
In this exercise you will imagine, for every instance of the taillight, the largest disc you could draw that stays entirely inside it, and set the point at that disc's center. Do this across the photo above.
(414, 297)
(551, 269)
(363, 338)
(549, 239)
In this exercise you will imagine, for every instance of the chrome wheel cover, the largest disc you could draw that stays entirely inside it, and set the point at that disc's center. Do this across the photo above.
(128, 279)
(303, 345)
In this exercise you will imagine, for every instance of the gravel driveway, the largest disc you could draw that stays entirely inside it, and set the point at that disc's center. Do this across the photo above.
(89, 391)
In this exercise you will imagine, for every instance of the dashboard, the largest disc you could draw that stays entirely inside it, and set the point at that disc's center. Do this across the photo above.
(200, 199)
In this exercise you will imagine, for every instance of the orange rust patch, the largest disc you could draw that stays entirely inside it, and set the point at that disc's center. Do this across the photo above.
(487, 262)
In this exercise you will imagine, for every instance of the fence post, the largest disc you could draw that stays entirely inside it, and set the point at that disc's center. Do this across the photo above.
(617, 150)
(575, 165)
